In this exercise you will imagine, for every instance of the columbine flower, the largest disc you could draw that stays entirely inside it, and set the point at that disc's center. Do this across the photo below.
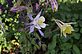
(37, 22)
(18, 8)
(65, 28)
(54, 5)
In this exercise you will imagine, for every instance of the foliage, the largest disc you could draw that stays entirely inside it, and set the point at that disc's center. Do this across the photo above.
(52, 43)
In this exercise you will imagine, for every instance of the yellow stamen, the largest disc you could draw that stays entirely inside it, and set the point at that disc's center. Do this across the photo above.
(40, 22)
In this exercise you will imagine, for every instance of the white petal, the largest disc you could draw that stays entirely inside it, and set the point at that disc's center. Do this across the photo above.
(72, 29)
(61, 32)
(63, 27)
(59, 24)
(42, 18)
(64, 34)
(59, 21)
(37, 26)
(72, 23)
(43, 25)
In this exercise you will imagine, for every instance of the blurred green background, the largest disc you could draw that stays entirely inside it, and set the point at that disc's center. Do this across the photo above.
(52, 43)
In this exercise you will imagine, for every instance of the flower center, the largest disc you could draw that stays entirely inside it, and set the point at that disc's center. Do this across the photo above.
(40, 22)
(68, 30)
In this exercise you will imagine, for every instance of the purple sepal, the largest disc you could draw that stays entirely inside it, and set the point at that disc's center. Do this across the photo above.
(38, 16)
(42, 34)
(31, 29)
(30, 17)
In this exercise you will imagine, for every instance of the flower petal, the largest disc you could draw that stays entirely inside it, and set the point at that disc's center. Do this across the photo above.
(38, 16)
(31, 29)
(64, 34)
(30, 17)
(59, 24)
(64, 27)
(72, 29)
(61, 32)
(42, 18)
(68, 25)
(72, 23)
(37, 26)
(43, 25)
(42, 34)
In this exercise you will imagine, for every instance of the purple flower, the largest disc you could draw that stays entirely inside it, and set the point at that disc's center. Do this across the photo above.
(54, 5)
(37, 22)
(18, 8)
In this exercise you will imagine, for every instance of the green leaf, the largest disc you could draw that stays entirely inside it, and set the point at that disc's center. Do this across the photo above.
(76, 35)
(76, 29)
(65, 0)
(66, 46)
(52, 52)
(34, 43)
(76, 25)
(76, 50)
(59, 0)
(37, 36)
(81, 0)
(76, 16)
(52, 45)
(2, 1)
(44, 47)
(63, 39)
(42, 0)
(80, 23)
(66, 52)
(81, 30)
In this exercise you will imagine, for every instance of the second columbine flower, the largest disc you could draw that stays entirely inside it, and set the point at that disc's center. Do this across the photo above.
(65, 28)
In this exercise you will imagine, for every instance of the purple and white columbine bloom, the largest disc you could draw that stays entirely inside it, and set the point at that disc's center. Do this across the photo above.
(54, 5)
(37, 22)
